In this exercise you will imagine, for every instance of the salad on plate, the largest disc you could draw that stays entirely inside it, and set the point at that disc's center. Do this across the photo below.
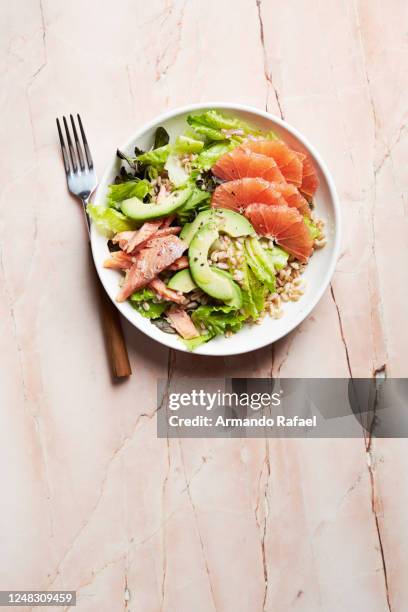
(213, 231)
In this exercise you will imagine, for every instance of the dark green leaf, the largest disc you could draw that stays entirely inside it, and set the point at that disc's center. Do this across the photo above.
(161, 138)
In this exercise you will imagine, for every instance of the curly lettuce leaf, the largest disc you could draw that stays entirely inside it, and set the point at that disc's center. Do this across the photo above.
(156, 308)
(218, 319)
(122, 191)
(207, 131)
(109, 221)
(216, 126)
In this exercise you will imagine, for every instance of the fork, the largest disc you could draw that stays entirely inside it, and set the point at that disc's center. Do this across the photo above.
(82, 181)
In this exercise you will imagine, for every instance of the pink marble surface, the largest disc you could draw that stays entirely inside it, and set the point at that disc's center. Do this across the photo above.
(91, 500)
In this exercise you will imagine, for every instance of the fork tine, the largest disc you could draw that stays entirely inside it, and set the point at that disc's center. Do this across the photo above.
(87, 151)
(63, 149)
(70, 146)
(78, 145)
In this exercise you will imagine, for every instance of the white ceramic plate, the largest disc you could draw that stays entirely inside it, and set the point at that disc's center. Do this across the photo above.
(318, 272)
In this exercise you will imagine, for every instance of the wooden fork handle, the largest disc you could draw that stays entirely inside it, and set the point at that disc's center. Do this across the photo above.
(114, 339)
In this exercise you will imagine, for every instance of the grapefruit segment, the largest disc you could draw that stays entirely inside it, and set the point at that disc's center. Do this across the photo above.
(292, 197)
(287, 160)
(236, 195)
(310, 182)
(240, 163)
(285, 225)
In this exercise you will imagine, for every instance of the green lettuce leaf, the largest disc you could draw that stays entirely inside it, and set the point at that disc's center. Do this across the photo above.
(216, 126)
(122, 191)
(258, 291)
(156, 157)
(209, 155)
(186, 144)
(263, 271)
(254, 293)
(143, 295)
(218, 319)
(156, 308)
(277, 257)
(209, 133)
(313, 229)
(198, 201)
(193, 343)
(109, 221)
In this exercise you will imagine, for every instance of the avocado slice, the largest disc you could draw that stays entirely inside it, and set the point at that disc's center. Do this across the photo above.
(182, 281)
(217, 285)
(140, 211)
(228, 222)
(236, 301)
(260, 263)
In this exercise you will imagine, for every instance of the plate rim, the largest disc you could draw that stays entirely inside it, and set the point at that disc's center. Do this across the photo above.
(337, 233)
